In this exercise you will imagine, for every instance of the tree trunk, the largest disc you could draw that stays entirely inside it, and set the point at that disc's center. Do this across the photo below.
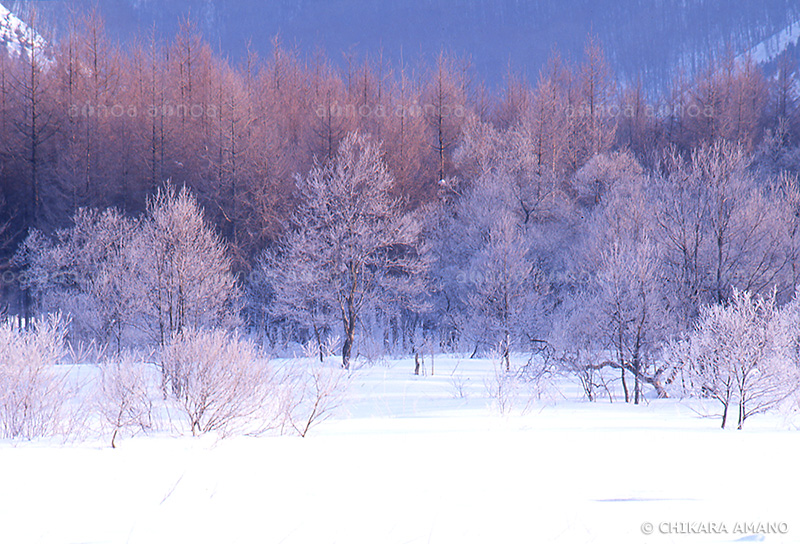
(740, 422)
(347, 349)
(507, 351)
(636, 376)
(724, 415)
(349, 315)
(318, 337)
(625, 385)
(349, 340)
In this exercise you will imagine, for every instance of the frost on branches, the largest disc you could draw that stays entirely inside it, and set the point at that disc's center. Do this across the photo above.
(743, 354)
(126, 282)
(352, 246)
(33, 396)
(217, 380)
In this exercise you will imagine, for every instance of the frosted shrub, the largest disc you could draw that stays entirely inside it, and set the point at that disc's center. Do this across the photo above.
(218, 381)
(126, 280)
(520, 388)
(33, 395)
(321, 348)
(124, 400)
(501, 386)
(309, 394)
(458, 385)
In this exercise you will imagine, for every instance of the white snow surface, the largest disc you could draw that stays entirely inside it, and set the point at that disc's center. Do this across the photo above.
(408, 460)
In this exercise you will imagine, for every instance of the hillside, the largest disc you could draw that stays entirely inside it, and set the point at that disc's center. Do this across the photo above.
(15, 35)
(648, 38)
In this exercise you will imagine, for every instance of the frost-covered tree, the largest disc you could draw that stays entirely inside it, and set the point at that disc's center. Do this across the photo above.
(720, 228)
(503, 286)
(508, 285)
(295, 290)
(493, 241)
(83, 272)
(181, 268)
(621, 274)
(352, 246)
(119, 278)
(743, 354)
(630, 278)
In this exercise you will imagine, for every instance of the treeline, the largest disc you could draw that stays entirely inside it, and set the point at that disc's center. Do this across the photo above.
(410, 203)
(88, 124)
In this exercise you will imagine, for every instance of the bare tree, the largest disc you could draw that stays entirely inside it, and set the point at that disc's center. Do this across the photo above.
(352, 245)
(404, 134)
(445, 110)
(31, 82)
(309, 393)
(595, 129)
(727, 103)
(742, 354)
(181, 268)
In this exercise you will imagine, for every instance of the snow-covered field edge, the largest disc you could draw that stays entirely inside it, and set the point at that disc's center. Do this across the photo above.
(428, 458)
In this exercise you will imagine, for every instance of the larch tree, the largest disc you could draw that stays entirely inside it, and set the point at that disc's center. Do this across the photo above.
(31, 83)
(333, 114)
(784, 91)
(405, 139)
(98, 85)
(547, 120)
(445, 110)
(595, 129)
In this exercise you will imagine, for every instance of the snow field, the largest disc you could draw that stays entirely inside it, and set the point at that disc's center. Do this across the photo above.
(408, 460)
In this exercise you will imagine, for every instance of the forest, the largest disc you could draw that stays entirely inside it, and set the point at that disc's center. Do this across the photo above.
(162, 197)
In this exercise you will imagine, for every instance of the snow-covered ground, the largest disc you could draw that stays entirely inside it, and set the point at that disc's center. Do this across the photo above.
(422, 459)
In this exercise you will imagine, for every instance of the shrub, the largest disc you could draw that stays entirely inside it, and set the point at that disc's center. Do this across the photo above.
(218, 381)
(33, 394)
